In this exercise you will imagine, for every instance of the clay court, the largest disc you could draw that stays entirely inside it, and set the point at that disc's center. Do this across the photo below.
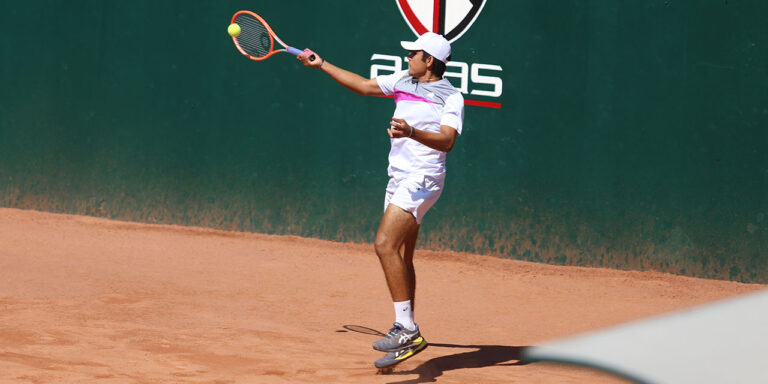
(85, 299)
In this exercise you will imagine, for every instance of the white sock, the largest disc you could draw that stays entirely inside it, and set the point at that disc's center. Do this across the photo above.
(404, 314)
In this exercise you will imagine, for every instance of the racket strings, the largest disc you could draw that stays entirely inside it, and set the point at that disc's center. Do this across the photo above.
(254, 38)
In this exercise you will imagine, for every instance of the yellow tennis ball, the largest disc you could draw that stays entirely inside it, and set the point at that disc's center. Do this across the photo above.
(233, 30)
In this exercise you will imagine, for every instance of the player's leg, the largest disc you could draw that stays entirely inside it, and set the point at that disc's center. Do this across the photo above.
(395, 226)
(407, 250)
(406, 202)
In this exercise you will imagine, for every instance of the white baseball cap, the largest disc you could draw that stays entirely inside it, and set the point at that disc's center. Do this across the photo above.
(432, 43)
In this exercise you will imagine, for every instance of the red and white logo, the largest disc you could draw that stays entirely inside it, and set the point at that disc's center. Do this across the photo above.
(450, 18)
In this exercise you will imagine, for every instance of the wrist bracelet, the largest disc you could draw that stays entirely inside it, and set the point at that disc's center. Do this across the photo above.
(412, 129)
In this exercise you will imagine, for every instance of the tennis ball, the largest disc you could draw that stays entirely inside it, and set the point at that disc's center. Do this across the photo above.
(233, 30)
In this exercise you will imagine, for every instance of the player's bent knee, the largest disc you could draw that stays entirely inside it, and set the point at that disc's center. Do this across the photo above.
(384, 247)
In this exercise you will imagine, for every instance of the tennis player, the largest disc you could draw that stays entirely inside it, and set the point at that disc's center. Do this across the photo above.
(429, 114)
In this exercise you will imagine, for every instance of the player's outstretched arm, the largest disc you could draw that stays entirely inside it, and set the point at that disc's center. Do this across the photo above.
(350, 80)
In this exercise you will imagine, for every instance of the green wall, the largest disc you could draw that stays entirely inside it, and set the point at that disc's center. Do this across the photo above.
(632, 134)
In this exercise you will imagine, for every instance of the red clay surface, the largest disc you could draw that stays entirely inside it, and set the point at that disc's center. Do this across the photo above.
(86, 300)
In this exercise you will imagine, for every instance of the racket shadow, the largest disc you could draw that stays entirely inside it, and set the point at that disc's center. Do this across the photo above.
(361, 329)
(478, 356)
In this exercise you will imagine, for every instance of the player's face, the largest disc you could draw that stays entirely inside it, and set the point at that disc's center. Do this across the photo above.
(416, 65)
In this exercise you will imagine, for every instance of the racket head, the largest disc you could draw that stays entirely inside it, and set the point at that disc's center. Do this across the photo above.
(256, 40)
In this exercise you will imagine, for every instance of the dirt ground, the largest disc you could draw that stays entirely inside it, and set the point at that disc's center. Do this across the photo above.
(88, 300)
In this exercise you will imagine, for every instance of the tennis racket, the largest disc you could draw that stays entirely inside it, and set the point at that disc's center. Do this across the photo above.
(256, 39)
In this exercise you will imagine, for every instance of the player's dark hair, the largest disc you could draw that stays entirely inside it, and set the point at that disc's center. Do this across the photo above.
(438, 67)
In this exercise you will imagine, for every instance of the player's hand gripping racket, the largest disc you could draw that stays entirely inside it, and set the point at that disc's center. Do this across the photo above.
(256, 39)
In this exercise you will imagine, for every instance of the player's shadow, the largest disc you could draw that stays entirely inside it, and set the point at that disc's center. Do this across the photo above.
(479, 356)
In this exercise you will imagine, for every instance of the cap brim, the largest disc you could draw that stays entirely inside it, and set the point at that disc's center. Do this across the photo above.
(410, 46)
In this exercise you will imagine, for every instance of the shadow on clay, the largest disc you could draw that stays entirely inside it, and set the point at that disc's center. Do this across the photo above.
(480, 356)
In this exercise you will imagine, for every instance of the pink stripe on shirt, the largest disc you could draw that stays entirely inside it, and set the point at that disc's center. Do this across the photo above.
(402, 95)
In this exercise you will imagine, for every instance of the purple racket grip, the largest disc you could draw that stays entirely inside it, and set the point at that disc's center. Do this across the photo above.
(296, 52)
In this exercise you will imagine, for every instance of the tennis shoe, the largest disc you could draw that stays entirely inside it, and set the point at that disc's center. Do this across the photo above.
(396, 357)
(397, 338)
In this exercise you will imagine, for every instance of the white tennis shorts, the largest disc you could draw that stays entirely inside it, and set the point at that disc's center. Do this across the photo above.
(413, 193)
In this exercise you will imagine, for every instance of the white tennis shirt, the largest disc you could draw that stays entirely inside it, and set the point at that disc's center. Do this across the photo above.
(424, 106)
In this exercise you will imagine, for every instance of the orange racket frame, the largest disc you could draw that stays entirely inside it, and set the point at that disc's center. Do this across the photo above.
(272, 38)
